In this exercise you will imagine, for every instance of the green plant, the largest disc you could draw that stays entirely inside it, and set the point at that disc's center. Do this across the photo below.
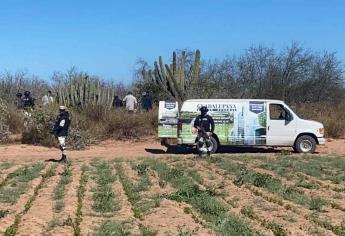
(174, 79)
(3, 213)
(316, 203)
(104, 198)
(12, 229)
(80, 90)
(133, 189)
(146, 231)
(211, 210)
(80, 196)
(59, 191)
(16, 183)
(110, 228)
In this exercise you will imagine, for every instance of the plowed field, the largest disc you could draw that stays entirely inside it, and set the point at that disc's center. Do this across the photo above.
(272, 193)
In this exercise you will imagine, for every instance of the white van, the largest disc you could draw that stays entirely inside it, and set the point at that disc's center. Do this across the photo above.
(246, 122)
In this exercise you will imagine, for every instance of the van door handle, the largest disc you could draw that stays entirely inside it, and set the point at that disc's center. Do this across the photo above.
(268, 128)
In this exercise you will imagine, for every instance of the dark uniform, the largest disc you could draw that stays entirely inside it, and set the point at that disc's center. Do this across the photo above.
(147, 102)
(205, 125)
(27, 100)
(117, 102)
(60, 130)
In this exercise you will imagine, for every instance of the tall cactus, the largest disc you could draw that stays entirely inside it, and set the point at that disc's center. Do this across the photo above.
(81, 91)
(173, 78)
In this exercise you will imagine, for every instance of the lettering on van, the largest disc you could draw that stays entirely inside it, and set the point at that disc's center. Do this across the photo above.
(169, 105)
(219, 107)
(256, 107)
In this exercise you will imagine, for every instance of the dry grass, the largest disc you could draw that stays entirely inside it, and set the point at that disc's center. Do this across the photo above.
(331, 115)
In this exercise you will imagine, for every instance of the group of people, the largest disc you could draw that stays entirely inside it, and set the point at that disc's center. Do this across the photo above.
(131, 102)
(63, 121)
(25, 101)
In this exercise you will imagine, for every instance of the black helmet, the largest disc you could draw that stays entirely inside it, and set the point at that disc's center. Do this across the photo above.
(26, 93)
(204, 109)
(19, 94)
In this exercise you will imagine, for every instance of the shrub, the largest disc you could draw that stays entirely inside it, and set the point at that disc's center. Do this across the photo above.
(122, 125)
(331, 115)
(40, 123)
(38, 126)
(4, 128)
(15, 120)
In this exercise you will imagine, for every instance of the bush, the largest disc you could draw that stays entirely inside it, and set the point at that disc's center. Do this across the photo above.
(4, 128)
(15, 120)
(122, 125)
(40, 123)
(331, 115)
(78, 139)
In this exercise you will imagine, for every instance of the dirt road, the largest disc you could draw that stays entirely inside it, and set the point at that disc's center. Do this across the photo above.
(146, 148)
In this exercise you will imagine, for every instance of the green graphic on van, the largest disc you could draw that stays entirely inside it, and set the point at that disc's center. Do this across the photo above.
(242, 123)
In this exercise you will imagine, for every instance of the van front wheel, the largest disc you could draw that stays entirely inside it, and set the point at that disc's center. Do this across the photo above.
(305, 144)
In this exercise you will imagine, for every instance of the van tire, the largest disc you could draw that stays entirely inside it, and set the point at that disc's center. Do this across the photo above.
(305, 144)
(214, 145)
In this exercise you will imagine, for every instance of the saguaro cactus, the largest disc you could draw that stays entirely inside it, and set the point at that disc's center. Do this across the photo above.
(173, 78)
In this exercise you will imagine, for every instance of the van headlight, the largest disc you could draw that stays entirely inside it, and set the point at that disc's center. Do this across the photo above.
(321, 131)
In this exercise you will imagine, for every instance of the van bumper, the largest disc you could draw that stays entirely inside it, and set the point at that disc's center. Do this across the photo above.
(321, 141)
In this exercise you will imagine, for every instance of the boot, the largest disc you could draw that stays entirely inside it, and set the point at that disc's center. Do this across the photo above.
(63, 159)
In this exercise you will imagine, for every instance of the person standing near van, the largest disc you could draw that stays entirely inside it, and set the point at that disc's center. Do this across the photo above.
(205, 125)
(131, 102)
(47, 99)
(60, 131)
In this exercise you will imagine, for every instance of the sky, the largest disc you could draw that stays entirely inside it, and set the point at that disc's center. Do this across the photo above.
(106, 38)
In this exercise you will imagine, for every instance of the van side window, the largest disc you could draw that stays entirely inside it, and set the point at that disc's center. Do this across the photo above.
(277, 112)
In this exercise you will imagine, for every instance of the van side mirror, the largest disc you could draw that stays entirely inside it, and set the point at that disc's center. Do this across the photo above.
(288, 117)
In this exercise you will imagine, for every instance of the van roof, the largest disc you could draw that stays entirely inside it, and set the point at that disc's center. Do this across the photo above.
(234, 100)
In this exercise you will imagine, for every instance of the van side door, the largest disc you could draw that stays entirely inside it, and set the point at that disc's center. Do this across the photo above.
(281, 125)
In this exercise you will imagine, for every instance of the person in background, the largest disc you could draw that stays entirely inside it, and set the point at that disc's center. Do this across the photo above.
(60, 131)
(117, 102)
(131, 102)
(147, 102)
(48, 98)
(19, 101)
(27, 100)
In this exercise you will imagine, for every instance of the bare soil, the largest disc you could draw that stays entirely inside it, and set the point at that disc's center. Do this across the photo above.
(170, 217)
(146, 148)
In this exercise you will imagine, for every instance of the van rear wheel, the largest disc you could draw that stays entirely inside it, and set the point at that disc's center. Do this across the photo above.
(305, 144)
(213, 146)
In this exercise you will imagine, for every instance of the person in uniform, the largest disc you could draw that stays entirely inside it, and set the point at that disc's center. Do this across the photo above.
(60, 131)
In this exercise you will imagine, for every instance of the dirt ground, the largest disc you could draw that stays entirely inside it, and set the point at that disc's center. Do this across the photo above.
(309, 201)
(147, 148)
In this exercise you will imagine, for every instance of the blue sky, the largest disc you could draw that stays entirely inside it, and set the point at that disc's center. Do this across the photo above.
(106, 38)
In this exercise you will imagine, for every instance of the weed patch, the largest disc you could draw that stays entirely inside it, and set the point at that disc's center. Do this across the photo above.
(211, 210)
(59, 191)
(109, 228)
(104, 198)
(139, 206)
(12, 230)
(17, 182)
(80, 196)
